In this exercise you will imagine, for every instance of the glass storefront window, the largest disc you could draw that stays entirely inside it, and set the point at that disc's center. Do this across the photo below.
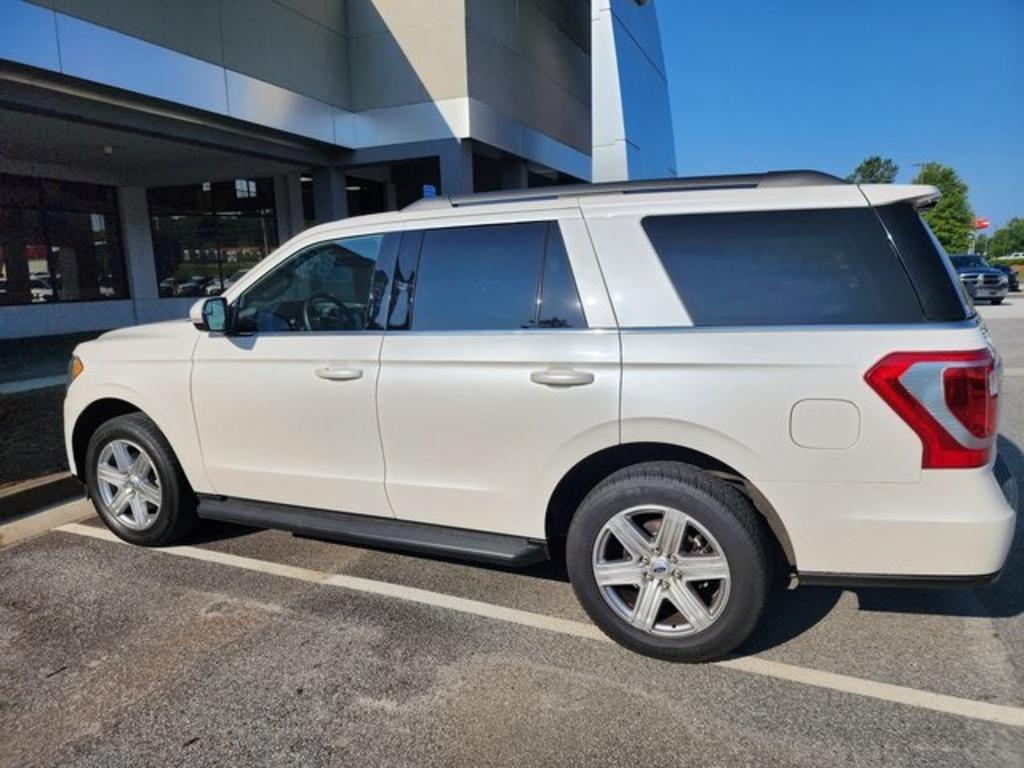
(206, 236)
(391, 187)
(59, 241)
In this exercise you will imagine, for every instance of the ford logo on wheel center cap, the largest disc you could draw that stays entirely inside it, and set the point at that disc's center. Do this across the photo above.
(660, 567)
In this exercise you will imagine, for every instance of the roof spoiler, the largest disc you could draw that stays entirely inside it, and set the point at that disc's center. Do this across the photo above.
(921, 196)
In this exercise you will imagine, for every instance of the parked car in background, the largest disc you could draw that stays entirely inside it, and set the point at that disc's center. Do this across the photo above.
(193, 286)
(41, 290)
(564, 370)
(169, 286)
(1012, 277)
(982, 281)
(215, 287)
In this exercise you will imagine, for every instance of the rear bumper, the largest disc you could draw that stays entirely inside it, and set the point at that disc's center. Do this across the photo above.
(949, 525)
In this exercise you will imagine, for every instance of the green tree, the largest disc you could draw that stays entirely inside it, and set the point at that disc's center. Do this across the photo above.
(1008, 239)
(952, 219)
(875, 170)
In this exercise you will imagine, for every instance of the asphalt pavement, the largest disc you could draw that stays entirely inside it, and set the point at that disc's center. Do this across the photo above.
(262, 648)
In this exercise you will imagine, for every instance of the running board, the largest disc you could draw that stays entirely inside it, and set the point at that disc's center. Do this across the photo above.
(383, 532)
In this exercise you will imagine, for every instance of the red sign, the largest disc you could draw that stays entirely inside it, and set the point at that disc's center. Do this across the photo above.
(981, 224)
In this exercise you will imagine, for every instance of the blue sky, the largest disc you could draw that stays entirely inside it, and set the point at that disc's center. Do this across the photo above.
(772, 84)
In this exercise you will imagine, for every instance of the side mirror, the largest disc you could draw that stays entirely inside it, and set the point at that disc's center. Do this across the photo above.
(210, 315)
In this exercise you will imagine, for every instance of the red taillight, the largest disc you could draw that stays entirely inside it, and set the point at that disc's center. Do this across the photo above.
(949, 399)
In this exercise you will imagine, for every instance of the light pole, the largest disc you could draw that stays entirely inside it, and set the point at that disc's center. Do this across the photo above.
(972, 236)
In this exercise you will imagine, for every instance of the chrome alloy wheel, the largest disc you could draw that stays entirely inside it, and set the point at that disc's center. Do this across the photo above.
(661, 571)
(128, 483)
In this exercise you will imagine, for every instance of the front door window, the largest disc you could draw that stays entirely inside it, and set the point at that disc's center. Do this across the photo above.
(330, 286)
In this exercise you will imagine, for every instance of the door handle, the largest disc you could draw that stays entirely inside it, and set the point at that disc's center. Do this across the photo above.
(562, 377)
(339, 374)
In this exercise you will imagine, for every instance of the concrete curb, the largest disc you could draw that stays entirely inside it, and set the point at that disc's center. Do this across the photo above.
(44, 521)
(26, 498)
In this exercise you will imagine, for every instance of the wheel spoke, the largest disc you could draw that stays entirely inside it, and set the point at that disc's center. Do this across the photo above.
(618, 573)
(141, 466)
(138, 509)
(645, 613)
(629, 536)
(670, 534)
(121, 456)
(691, 606)
(149, 492)
(120, 501)
(108, 474)
(703, 568)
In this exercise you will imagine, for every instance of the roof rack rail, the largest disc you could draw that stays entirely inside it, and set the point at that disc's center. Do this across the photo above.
(678, 184)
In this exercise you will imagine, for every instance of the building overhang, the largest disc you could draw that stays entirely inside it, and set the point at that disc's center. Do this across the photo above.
(118, 70)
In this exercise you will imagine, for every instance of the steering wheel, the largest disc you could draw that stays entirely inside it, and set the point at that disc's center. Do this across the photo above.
(323, 312)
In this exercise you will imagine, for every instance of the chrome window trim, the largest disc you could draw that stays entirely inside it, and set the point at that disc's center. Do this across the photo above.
(971, 322)
(500, 331)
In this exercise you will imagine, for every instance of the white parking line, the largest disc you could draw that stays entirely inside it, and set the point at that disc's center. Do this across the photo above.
(898, 694)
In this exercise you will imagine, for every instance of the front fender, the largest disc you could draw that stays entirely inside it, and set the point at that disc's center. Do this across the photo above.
(174, 419)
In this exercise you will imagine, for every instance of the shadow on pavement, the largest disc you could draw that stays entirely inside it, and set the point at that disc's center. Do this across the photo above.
(790, 613)
(211, 531)
(793, 612)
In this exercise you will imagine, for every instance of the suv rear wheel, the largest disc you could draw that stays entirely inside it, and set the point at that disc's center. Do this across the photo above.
(136, 483)
(670, 562)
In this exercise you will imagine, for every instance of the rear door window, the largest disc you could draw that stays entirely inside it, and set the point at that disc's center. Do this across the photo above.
(499, 277)
(809, 267)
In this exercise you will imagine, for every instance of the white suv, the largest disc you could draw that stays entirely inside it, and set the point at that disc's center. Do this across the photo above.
(685, 385)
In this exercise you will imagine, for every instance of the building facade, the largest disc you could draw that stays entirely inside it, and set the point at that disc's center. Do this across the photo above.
(152, 151)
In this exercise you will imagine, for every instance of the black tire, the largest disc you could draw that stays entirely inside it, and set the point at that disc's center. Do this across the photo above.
(176, 517)
(728, 516)
(996, 301)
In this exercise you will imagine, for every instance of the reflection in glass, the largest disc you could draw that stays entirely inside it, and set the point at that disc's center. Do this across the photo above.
(206, 236)
(560, 305)
(479, 278)
(59, 241)
(332, 286)
(493, 277)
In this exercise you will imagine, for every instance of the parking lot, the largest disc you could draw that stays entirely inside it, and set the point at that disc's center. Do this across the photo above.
(262, 648)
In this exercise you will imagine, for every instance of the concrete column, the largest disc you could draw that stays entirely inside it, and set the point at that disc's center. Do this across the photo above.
(138, 250)
(457, 168)
(329, 196)
(288, 205)
(513, 173)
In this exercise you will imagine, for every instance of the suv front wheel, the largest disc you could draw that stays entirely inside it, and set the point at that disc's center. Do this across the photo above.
(670, 561)
(136, 483)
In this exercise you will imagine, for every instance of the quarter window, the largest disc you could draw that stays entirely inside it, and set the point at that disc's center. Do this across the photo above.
(815, 267)
(332, 286)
